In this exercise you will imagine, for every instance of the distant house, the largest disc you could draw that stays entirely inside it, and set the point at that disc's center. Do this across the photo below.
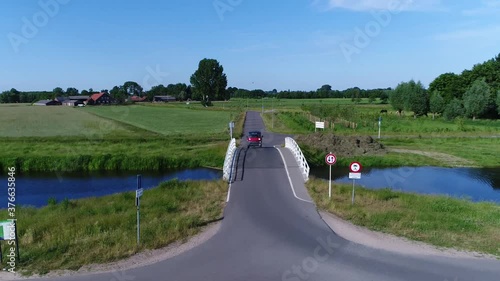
(61, 99)
(99, 99)
(137, 99)
(72, 102)
(82, 98)
(163, 99)
(47, 102)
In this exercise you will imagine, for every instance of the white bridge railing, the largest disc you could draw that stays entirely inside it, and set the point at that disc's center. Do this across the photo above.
(228, 162)
(299, 157)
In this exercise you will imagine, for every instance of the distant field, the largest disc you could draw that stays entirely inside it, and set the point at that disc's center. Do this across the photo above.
(366, 118)
(167, 120)
(283, 104)
(39, 121)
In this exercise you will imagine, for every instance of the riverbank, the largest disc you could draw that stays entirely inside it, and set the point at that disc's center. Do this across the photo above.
(436, 220)
(102, 230)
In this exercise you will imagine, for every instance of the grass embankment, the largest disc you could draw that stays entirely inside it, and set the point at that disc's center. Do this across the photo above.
(100, 230)
(437, 220)
(63, 139)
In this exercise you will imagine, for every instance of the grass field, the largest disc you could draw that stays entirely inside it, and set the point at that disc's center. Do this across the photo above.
(114, 137)
(438, 220)
(167, 120)
(101, 230)
(477, 142)
(52, 121)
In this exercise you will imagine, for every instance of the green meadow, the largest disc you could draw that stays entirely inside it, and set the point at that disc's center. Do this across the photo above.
(411, 141)
(62, 138)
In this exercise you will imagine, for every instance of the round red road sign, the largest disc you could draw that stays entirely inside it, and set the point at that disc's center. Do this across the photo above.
(330, 159)
(355, 167)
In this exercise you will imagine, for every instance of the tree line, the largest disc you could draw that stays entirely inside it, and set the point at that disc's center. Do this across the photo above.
(472, 94)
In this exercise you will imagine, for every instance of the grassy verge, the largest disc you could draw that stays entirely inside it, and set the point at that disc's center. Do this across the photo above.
(101, 230)
(481, 151)
(438, 220)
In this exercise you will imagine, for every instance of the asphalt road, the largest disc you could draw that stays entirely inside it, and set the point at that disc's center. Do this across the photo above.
(268, 234)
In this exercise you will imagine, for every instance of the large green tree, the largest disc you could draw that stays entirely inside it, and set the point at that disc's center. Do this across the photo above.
(436, 103)
(72, 91)
(209, 82)
(416, 98)
(119, 94)
(498, 102)
(58, 92)
(454, 109)
(476, 98)
(397, 98)
(411, 96)
(133, 88)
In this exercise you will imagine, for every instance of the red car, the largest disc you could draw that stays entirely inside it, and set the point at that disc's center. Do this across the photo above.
(255, 138)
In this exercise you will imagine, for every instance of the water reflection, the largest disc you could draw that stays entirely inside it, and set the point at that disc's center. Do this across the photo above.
(476, 184)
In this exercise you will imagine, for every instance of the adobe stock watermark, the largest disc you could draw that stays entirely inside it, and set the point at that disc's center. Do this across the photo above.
(392, 178)
(31, 26)
(310, 264)
(364, 36)
(155, 75)
(223, 6)
(121, 276)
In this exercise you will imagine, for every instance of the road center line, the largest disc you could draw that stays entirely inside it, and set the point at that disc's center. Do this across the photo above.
(290, 179)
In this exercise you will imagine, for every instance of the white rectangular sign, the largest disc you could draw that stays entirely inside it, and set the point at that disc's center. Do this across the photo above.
(138, 192)
(6, 230)
(354, 176)
(320, 125)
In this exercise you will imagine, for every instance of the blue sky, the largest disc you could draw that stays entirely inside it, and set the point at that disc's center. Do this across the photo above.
(298, 45)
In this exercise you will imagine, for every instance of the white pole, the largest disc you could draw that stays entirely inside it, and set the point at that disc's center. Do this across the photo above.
(353, 191)
(330, 183)
(379, 125)
(138, 222)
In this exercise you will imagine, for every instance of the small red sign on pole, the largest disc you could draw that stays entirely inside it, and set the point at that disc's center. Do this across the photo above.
(330, 159)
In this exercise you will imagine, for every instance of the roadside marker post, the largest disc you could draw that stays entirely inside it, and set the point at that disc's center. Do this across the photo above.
(330, 159)
(138, 194)
(231, 127)
(379, 125)
(355, 174)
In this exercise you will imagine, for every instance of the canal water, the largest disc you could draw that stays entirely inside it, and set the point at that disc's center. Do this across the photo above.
(37, 188)
(476, 184)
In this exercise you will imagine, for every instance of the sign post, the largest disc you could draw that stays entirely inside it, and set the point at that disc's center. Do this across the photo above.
(138, 194)
(330, 159)
(231, 127)
(8, 231)
(355, 168)
(319, 125)
(379, 125)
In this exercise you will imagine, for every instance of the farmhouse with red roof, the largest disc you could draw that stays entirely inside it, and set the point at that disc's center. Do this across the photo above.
(99, 99)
